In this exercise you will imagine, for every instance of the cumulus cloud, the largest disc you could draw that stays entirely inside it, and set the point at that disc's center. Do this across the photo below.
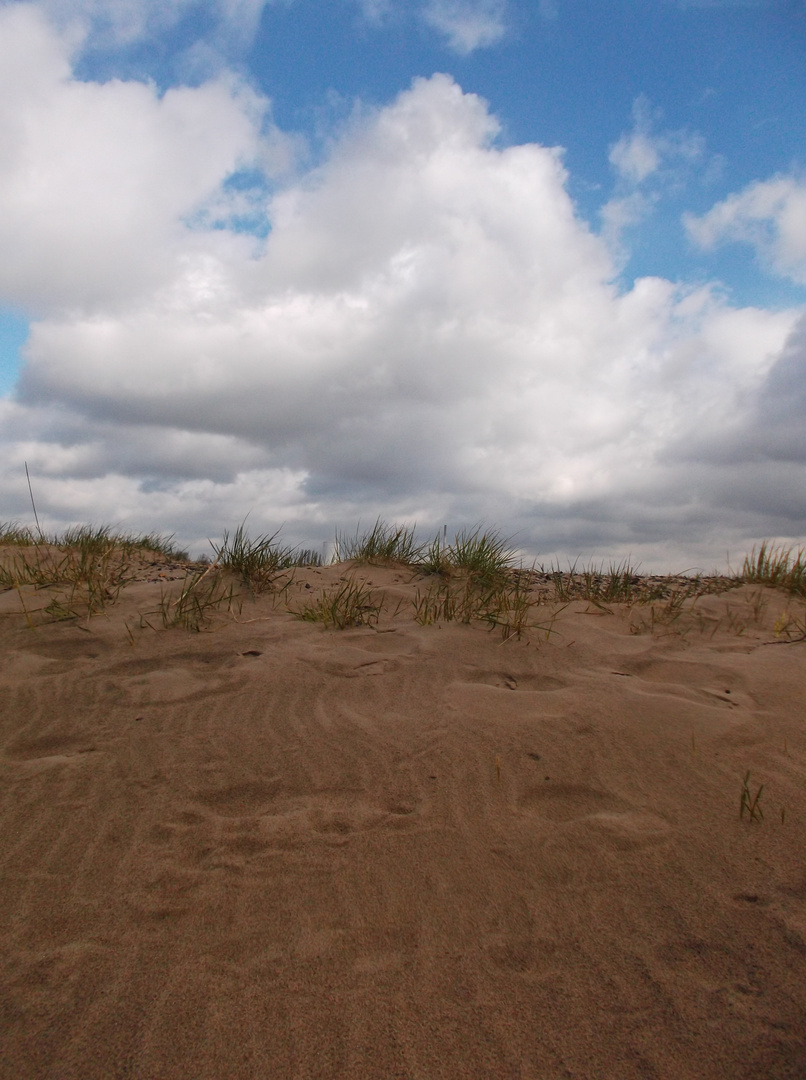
(770, 215)
(768, 424)
(467, 24)
(620, 213)
(95, 180)
(427, 331)
(779, 431)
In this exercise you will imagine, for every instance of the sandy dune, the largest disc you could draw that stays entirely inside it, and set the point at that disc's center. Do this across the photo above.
(400, 851)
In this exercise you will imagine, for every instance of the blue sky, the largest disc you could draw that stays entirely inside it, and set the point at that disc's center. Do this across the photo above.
(229, 164)
(13, 335)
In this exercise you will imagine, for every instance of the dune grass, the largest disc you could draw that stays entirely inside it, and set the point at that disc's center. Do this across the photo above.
(472, 579)
(749, 803)
(91, 539)
(789, 627)
(12, 534)
(383, 544)
(350, 603)
(777, 566)
(507, 604)
(85, 568)
(616, 585)
(203, 594)
(486, 557)
(621, 583)
(474, 570)
(260, 561)
(307, 557)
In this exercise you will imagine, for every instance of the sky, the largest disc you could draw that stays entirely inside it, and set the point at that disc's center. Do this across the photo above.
(538, 265)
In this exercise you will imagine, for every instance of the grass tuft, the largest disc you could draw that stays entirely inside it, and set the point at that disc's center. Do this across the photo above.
(616, 585)
(485, 556)
(382, 545)
(478, 583)
(435, 558)
(780, 567)
(156, 543)
(88, 576)
(789, 627)
(307, 557)
(506, 603)
(14, 535)
(258, 562)
(87, 565)
(90, 539)
(349, 604)
(749, 803)
(204, 593)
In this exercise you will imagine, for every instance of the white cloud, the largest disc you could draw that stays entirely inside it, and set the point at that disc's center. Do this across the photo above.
(95, 179)
(648, 164)
(619, 214)
(117, 23)
(428, 332)
(636, 156)
(777, 430)
(467, 24)
(228, 27)
(375, 11)
(770, 215)
(642, 152)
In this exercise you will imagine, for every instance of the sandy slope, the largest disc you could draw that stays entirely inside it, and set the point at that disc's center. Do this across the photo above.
(274, 850)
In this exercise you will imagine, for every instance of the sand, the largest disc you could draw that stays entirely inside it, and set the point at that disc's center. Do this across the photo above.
(399, 851)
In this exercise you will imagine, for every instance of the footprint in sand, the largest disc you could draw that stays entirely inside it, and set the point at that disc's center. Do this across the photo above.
(239, 800)
(50, 750)
(566, 802)
(595, 811)
(703, 683)
(173, 685)
(350, 663)
(521, 954)
(630, 830)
